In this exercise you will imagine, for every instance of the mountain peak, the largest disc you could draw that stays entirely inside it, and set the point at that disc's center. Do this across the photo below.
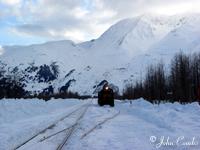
(118, 55)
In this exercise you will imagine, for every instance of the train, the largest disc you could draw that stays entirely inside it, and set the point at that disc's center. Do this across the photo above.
(106, 96)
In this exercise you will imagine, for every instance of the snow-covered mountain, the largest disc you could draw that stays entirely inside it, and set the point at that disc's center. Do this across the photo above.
(120, 55)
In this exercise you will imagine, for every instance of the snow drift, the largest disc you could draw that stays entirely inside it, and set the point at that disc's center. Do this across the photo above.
(139, 125)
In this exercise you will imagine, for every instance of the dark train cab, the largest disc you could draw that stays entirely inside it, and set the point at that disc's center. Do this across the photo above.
(106, 96)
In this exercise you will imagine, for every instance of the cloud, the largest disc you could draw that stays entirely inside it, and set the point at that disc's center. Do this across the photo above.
(127, 8)
(10, 2)
(31, 29)
(82, 19)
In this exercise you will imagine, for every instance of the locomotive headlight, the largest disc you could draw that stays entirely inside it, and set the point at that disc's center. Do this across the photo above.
(106, 88)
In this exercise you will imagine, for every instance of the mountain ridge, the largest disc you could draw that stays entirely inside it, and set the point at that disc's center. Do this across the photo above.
(119, 55)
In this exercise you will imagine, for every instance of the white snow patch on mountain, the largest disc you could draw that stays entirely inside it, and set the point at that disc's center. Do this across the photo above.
(1, 50)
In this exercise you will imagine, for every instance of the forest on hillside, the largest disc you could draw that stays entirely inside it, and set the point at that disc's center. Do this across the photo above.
(178, 82)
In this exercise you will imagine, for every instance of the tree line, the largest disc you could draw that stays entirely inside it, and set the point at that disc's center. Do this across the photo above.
(179, 83)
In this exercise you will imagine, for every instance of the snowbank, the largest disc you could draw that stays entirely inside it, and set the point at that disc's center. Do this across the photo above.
(19, 119)
(139, 125)
(142, 126)
(12, 110)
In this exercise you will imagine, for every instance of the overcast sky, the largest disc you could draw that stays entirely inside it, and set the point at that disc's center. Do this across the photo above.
(36, 21)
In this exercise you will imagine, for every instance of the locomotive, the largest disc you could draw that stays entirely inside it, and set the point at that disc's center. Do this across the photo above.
(106, 96)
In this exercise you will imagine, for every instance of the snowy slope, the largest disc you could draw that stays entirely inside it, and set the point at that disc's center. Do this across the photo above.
(184, 38)
(120, 55)
(42, 53)
(139, 125)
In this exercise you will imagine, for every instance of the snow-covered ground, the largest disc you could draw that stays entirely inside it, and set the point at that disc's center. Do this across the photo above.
(138, 126)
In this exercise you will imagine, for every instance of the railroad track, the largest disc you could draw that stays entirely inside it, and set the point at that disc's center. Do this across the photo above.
(71, 130)
(75, 125)
(64, 133)
(99, 124)
(80, 110)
